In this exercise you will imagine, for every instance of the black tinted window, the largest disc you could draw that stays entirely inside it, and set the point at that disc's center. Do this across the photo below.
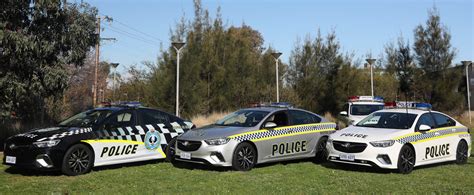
(425, 119)
(300, 117)
(121, 119)
(443, 121)
(149, 116)
(357, 109)
(388, 120)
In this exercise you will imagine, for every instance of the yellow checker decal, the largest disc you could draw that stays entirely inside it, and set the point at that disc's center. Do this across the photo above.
(419, 137)
(264, 134)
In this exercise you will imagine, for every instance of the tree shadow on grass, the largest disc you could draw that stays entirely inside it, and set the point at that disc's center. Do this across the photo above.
(33, 172)
(207, 167)
(375, 169)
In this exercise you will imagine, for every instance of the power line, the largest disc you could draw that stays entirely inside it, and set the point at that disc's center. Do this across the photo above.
(139, 31)
(136, 30)
(131, 36)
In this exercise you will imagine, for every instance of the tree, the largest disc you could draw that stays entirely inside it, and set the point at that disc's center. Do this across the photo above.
(400, 61)
(434, 56)
(40, 39)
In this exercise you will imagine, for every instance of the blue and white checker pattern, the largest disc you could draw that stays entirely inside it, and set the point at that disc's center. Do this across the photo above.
(67, 133)
(284, 131)
(427, 135)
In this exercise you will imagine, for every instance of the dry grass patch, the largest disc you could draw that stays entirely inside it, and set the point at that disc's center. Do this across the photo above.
(202, 120)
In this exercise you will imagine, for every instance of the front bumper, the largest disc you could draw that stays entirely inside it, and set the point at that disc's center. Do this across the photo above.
(30, 157)
(386, 158)
(216, 155)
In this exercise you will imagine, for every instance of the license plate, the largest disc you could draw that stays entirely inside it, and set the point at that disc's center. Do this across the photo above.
(185, 155)
(10, 159)
(348, 157)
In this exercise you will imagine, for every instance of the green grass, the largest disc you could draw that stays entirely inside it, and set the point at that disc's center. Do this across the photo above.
(301, 177)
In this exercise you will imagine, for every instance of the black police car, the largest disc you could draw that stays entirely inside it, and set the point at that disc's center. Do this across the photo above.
(102, 136)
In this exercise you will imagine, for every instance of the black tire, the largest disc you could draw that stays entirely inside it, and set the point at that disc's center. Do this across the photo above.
(170, 150)
(78, 160)
(406, 160)
(244, 157)
(462, 152)
(321, 151)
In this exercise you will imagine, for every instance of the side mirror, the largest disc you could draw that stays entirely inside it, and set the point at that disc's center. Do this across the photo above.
(343, 113)
(269, 125)
(424, 128)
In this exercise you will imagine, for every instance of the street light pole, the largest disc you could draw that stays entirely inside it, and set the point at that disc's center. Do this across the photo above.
(371, 61)
(177, 46)
(466, 64)
(113, 83)
(277, 55)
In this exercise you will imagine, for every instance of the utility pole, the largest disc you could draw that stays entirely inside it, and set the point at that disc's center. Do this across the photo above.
(97, 58)
(97, 53)
(277, 55)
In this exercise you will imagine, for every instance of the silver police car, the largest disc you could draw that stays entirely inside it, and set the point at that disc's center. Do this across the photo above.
(255, 135)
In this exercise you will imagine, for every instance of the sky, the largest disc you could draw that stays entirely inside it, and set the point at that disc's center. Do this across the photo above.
(362, 26)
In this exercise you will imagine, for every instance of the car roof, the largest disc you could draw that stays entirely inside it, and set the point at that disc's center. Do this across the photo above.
(404, 110)
(367, 103)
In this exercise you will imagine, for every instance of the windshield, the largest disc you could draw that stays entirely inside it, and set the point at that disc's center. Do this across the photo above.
(242, 118)
(364, 109)
(86, 118)
(388, 120)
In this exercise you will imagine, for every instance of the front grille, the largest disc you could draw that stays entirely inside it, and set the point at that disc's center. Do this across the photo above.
(188, 146)
(349, 147)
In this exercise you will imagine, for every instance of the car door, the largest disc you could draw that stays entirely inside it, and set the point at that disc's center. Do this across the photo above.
(282, 142)
(165, 125)
(446, 126)
(118, 139)
(305, 119)
(429, 148)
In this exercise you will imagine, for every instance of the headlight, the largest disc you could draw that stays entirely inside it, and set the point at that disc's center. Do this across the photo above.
(46, 144)
(329, 141)
(383, 144)
(217, 141)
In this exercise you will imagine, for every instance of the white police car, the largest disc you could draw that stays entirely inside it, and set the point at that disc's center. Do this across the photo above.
(401, 138)
(358, 107)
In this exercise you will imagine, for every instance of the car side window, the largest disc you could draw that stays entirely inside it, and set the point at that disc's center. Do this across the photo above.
(425, 119)
(149, 116)
(443, 121)
(300, 117)
(279, 118)
(121, 119)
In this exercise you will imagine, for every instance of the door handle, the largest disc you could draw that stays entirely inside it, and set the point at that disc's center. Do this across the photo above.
(437, 133)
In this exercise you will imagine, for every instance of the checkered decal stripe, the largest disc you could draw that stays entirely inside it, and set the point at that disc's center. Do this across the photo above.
(68, 133)
(283, 131)
(427, 135)
(137, 133)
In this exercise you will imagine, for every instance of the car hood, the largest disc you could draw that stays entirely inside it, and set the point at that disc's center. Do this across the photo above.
(213, 131)
(367, 134)
(36, 134)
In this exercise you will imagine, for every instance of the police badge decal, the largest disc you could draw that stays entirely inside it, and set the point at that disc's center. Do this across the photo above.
(152, 139)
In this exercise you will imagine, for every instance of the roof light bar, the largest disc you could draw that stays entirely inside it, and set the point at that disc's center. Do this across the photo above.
(365, 99)
(404, 104)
